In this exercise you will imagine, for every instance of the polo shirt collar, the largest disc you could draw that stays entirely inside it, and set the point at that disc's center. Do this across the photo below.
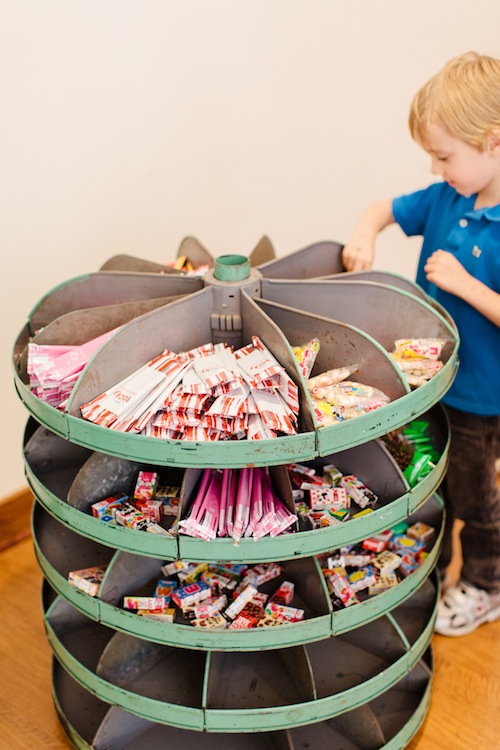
(492, 213)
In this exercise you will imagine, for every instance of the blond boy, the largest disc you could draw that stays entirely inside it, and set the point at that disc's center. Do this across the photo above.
(455, 117)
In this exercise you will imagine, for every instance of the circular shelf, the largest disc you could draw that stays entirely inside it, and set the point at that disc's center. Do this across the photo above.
(60, 550)
(392, 720)
(222, 691)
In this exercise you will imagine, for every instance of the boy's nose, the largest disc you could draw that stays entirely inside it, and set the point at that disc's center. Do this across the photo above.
(435, 167)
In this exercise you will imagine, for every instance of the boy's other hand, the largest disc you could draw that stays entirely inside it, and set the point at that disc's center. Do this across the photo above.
(446, 272)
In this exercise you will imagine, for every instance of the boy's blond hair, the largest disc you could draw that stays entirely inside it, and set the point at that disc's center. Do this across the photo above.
(463, 98)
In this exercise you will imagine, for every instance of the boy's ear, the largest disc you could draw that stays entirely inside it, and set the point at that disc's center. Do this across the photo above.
(493, 143)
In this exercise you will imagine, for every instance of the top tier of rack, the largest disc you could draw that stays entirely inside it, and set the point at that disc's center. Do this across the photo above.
(279, 301)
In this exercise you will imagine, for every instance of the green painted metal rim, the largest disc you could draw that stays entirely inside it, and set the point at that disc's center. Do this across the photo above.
(288, 546)
(302, 447)
(324, 708)
(389, 417)
(117, 537)
(226, 721)
(185, 636)
(399, 741)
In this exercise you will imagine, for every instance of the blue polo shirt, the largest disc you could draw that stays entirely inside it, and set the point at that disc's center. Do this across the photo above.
(448, 221)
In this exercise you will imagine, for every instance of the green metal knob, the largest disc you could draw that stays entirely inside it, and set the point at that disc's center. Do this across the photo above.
(231, 268)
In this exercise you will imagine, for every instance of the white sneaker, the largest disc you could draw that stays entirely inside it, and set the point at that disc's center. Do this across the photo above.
(463, 607)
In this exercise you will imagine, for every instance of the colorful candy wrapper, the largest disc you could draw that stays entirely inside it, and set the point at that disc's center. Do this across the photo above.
(306, 356)
(331, 377)
(237, 605)
(352, 395)
(88, 579)
(419, 348)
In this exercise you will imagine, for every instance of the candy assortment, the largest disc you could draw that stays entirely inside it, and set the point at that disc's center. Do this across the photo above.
(418, 359)
(146, 508)
(374, 565)
(210, 393)
(330, 497)
(334, 397)
(232, 503)
(220, 596)
(236, 596)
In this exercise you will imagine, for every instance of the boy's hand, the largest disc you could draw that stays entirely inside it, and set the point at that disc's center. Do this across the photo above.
(359, 250)
(446, 272)
(357, 255)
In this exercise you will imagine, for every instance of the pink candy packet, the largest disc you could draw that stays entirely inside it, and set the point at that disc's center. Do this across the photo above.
(53, 369)
(236, 503)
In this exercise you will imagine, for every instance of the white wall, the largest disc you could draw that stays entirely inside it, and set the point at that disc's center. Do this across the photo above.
(128, 124)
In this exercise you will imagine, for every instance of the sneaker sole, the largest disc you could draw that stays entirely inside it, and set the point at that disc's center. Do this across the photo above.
(491, 616)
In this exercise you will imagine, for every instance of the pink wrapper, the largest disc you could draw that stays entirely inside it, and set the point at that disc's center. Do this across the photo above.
(75, 359)
(256, 505)
(242, 507)
(227, 480)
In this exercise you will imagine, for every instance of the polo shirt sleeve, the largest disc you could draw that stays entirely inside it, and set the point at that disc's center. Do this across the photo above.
(411, 211)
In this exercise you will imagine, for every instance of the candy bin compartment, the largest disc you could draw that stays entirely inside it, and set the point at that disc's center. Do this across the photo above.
(318, 259)
(51, 462)
(60, 551)
(145, 338)
(154, 681)
(105, 290)
(93, 724)
(383, 312)
(385, 722)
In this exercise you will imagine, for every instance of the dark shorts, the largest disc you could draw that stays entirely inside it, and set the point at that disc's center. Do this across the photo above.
(471, 493)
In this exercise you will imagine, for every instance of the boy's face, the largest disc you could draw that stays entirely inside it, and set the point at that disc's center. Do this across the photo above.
(464, 167)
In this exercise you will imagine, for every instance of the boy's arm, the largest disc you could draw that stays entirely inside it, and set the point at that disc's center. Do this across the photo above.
(359, 250)
(446, 272)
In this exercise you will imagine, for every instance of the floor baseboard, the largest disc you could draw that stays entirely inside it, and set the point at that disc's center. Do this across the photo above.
(15, 517)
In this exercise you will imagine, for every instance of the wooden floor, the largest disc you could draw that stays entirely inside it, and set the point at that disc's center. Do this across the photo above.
(464, 713)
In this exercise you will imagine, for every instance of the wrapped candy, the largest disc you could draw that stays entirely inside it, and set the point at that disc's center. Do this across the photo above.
(418, 359)
(306, 356)
(331, 377)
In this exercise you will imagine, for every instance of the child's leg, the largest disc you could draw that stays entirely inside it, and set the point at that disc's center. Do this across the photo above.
(471, 492)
